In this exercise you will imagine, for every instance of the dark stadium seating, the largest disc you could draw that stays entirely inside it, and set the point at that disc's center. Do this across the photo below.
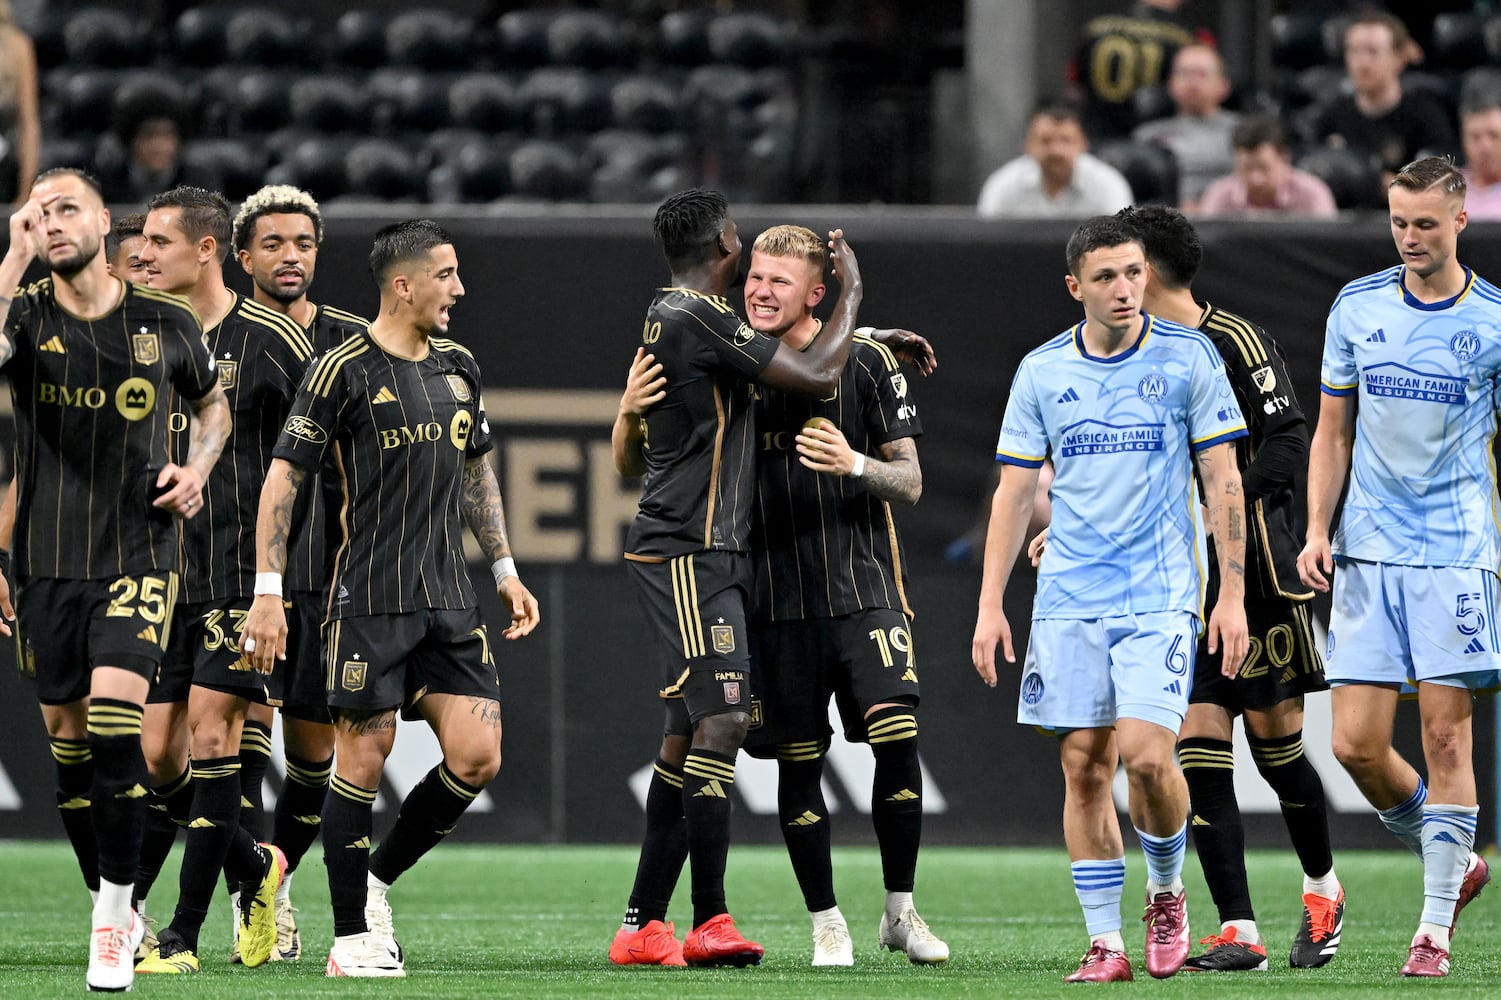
(314, 164)
(359, 40)
(407, 100)
(632, 166)
(429, 39)
(1152, 102)
(107, 37)
(1333, 31)
(1457, 42)
(1491, 37)
(83, 100)
(521, 38)
(591, 38)
(262, 101)
(384, 170)
(647, 103)
(483, 169)
(237, 166)
(60, 152)
(484, 101)
(264, 37)
(548, 171)
(683, 37)
(1151, 169)
(556, 101)
(1297, 41)
(1353, 178)
(753, 40)
(199, 38)
(148, 93)
(329, 104)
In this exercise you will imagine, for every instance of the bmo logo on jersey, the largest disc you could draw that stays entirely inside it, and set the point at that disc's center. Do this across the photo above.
(423, 433)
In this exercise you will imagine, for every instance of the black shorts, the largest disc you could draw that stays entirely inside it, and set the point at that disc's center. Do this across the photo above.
(862, 659)
(376, 662)
(1283, 661)
(304, 687)
(694, 607)
(66, 628)
(205, 651)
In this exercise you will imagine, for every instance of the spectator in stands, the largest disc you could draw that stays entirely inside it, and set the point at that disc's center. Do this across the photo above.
(1055, 177)
(1265, 183)
(1119, 54)
(1480, 129)
(147, 159)
(1380, 117)
(1199, 133)
(20, 123)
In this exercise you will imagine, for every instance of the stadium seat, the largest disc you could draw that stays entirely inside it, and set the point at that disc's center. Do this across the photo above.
(429, 39)
(484, 101)
(482, 170)
(199, 38)
(1314, 86)
(1490, 33)
(106, 37)
(359, 40)
(556, 100)
(1297, 41)
(752, 40)
(718, 86)
(441, 146)
(83, 99)
(1482, 81)
(143, 93)
(683, 37)
(314, 164)
(647, 103)
(1457, 42)
(1353, 178)
(404, 99)
(1152, 102)
(47, 36)
(1442, 87)
(590, 38)
(263, 37)
(521, 36)
(384, 170)
(546, 170)
(328, 104)
(632, 167)
(262, 100)
(1333, 31)
(59, 152)
(236, 167)
(1150, 169)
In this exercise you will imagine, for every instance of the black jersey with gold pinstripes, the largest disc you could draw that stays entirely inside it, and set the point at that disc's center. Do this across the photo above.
(1264, 390)
(700, 441)
(261, 356)
(93, 416)
(315, 515)
(400, 432)
(824, 545)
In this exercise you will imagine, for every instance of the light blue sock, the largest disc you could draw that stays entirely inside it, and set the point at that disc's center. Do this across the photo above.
(1448, 838)
(1164, 855)
(1098, 885)
(1406, 820)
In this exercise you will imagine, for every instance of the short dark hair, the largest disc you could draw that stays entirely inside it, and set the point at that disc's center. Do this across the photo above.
(1431, 172)
(275, 199)
(204, 213)
(1474, 100)
(400, 242)
(1169, 240)
(123, 229)
(688, 225)
(1093, 234)
(1401, 38)
(89, 180)
(1258, 130)
(1058, 108)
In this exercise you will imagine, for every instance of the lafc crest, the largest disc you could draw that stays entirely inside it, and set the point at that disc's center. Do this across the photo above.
(146, 347)
(229, 374)
(354, 675)
(723, 638)
(459, 386)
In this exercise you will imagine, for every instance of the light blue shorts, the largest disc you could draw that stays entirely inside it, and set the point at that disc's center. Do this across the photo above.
(1086, 674)
(1404, 624)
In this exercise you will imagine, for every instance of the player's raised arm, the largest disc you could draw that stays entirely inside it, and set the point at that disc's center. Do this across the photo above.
(1010, 514)
(815, 371)
(485, 515)
(645, 386)
(27, 230)
(1226, 507)
(1328, 465)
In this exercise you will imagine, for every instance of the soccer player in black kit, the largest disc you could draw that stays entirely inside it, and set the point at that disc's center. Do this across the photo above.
(261, 357)
(276, 236)
(688, 552)
(93, 362)
(401, 409)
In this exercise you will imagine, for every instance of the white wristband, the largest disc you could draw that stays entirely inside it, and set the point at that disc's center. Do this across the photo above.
(267, 583)
(865, 331)
(859, 469)
(502, 568)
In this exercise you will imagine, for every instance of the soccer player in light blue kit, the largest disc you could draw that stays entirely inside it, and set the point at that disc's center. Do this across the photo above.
(1129, 406)
(1412, 356)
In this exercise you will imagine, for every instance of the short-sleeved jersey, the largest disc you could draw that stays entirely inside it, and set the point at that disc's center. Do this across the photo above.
(1126, 534)
(1118, 55)
(700, 441)
(1422, 481)
(1258, 373)
(261, 356)
(400, 432)
(824, 545)
(314, 536)
(93, 416)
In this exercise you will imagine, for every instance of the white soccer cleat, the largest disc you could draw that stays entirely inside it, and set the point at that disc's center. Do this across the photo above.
(909, 933)
(378, 919)
(363, 956)
(112, 953)
(288, 938)
(832, 944)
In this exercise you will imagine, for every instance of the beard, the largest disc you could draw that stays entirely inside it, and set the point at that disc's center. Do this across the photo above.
(74, 263)
(283, 293)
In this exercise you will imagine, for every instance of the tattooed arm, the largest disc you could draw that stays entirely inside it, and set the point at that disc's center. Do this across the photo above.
(1226, 515)
(895, 477)
(264, 639)
(479, 502)
(183, 484)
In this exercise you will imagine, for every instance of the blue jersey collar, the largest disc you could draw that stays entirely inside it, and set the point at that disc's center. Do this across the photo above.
(1146, 330)
(1442, 303)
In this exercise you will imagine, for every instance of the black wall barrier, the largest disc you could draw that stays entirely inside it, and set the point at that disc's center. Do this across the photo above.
(553, 311)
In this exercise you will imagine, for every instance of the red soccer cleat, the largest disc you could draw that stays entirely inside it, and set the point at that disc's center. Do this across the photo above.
(1101, 965)
(1318, 936)
(1477, 877)
(717, 942)
(1425, 958)
(654, 944)
(1167, 933)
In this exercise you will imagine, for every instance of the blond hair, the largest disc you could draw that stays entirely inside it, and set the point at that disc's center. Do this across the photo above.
(793, 241)
(1429, 173)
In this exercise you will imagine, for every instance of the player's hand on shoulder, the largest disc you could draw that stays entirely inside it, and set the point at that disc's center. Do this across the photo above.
(846, 268)
(991, 628)
(910, 348)
(522, 606)
(645, 385)
(263, 640)
(180, 490)
(1316, 565)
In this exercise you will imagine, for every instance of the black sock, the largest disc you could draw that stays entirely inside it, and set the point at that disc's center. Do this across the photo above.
(75, 778)
(804, 817)
(118, 791)
(166, 809)
(1218, 832)
(664, 848)
(346, 852)
(213, 823)
(708, 779)
(1304, 810)
(255, 756)
(428, 814)
(299, 811)
(896, 794)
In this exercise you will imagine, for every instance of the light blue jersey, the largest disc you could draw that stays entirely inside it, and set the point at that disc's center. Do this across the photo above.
(1126, 536)
(1422, 483)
